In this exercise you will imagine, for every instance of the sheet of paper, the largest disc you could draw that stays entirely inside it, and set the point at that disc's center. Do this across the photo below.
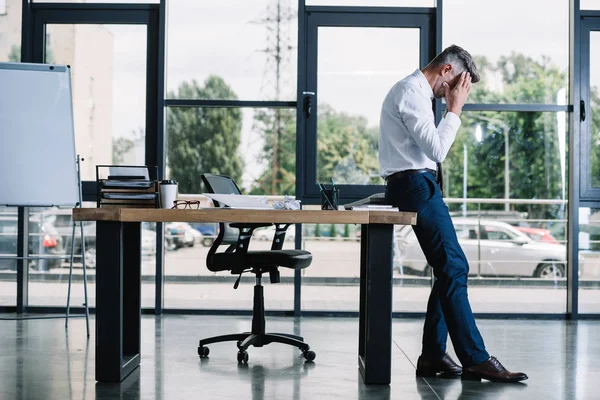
(239, 201)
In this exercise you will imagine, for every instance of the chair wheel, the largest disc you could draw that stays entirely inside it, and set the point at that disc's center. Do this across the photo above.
(309, 355)
(203, 351)
(242, 356)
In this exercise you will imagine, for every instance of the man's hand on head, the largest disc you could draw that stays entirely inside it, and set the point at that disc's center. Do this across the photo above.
(457, 96)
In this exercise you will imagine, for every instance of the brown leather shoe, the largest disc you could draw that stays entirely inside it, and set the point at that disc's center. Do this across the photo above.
(427, 367)
(492, 370)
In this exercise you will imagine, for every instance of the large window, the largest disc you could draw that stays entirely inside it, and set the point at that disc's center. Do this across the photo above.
(256, 147)
(231, 82)
(506, 174)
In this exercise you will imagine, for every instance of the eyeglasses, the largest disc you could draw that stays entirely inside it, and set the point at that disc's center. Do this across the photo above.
(183, 204)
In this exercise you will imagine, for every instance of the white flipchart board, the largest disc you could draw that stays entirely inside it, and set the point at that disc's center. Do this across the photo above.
(37, 139)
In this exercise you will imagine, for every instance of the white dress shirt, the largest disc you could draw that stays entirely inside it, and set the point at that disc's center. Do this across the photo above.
(408, 137)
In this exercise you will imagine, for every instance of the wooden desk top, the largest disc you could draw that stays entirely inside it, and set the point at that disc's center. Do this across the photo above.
(249, 216)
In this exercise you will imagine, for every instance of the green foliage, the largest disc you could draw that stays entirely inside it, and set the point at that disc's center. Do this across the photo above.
(346, 148)
(332, 231)
(594, 110)
(15, 53)
(203, 140)
(317, 230)
(346, 230)
(278, 128)
(120, 147)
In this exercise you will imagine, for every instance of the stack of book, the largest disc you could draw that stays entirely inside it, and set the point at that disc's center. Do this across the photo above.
(131, 191)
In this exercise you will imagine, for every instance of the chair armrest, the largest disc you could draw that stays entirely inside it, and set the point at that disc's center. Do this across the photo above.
(279, 237)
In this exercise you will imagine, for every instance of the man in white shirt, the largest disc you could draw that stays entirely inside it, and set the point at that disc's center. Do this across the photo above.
(411, 149)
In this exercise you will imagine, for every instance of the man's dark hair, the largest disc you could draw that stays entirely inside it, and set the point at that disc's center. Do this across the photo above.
(460, 59)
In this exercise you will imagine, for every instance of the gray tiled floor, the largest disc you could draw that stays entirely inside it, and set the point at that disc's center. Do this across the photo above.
(39, 360)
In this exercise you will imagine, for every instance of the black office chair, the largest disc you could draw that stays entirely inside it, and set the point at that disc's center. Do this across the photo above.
(238, 260)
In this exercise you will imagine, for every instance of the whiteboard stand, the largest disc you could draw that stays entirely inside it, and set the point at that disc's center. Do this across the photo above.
(87, 310)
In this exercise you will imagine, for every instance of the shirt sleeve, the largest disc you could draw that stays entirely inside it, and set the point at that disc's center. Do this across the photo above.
(415, 111)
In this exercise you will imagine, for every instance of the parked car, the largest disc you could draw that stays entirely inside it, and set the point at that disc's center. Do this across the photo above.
(182, 233)
(61, 219)
(268, 232)
(538, 234)
(43, 240)
(492, 248)
(208, 230)
(514, 218)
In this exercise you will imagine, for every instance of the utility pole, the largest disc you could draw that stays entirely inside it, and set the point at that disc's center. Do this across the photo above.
(278, 54)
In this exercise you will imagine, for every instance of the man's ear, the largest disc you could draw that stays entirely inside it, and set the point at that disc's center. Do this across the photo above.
(446, 69)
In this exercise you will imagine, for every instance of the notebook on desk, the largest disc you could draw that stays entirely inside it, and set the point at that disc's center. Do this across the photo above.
(373, 202)
(239, 201)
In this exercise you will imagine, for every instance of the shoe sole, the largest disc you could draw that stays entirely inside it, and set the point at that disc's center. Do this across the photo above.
(430, 374)
(470, 377)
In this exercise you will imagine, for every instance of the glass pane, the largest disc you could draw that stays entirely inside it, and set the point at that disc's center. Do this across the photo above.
(517, 236)
(189, 283)
(331, 283)
(10, 30)
(50, 234)
(589, 260)
(532, 166)
(99, 1)
(373, 3)
(256, 147)
(353, 78)
(589, 4)
(109, 90)
(8, 248)
(238, 143)
(594, 108)
(250, 44)
(513, 70)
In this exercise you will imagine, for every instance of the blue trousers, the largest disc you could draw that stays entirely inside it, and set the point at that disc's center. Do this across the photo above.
(448, 309)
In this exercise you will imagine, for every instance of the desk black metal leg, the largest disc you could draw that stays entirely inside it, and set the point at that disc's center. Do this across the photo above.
(375, 321)
(118, 298)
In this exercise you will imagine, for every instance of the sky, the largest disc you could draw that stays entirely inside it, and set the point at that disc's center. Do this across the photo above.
(356, 65)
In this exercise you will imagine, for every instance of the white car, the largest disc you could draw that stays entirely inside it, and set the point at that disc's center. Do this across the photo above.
(492, 248)
(268, 232)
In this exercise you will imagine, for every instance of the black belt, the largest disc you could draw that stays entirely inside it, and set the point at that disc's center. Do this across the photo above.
(402, 174)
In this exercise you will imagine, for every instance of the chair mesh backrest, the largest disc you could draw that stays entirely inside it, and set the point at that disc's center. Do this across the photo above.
(222, 184)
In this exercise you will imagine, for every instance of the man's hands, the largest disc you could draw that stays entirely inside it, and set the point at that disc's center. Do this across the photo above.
(457, 96)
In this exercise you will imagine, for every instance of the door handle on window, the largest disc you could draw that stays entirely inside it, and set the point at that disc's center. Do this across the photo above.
(582, 110)
(307, 103)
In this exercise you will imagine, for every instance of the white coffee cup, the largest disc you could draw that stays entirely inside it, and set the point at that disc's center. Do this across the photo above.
(168, 193)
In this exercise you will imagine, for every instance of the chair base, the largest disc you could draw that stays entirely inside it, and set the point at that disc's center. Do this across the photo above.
(257, 337)
(247, 339)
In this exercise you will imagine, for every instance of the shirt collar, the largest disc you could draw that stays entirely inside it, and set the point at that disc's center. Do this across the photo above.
(423, 83)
